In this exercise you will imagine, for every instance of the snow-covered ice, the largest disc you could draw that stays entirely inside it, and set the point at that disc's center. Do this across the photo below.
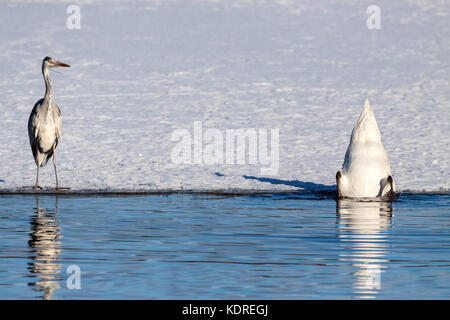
(142, 69)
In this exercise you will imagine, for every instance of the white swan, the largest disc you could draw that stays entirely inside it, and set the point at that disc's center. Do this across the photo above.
(365, 172)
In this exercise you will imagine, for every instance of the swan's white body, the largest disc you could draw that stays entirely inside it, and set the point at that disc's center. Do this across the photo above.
(365, 172)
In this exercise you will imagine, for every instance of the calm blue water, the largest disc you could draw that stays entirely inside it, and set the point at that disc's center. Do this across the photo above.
(209, 247)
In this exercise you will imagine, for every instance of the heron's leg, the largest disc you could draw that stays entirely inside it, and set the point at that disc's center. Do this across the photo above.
(56, 173)
(36, 185)
(37, 176)
(54, 165)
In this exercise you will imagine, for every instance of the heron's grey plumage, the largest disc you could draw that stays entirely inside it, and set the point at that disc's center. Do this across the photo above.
(44, 123)
(44, 130)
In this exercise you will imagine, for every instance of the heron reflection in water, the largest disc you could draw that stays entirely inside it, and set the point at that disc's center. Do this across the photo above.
(363, 225)
(45, 247)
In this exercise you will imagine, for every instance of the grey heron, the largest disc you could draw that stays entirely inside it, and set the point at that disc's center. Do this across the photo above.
(44, 124)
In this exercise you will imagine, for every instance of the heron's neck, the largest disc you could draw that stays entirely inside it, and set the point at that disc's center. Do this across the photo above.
(48, 84)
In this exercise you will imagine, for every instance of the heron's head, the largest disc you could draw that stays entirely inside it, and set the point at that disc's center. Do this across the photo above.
(52, 63)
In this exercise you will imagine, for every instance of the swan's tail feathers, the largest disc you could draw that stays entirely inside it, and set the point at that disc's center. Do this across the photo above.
(367, 104)
(366, 128)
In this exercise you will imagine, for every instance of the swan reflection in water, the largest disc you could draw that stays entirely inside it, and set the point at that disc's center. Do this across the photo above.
(45, 247)
(363, 225)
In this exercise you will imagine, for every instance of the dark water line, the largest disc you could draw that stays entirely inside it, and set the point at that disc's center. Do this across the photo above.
(327, 195)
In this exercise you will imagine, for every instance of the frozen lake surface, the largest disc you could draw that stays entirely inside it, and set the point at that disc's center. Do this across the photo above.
(184, 246)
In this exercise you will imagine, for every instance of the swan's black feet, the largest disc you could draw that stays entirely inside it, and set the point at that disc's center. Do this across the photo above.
(391, 182)
(35, 187)
(338, 178)
(391, 194)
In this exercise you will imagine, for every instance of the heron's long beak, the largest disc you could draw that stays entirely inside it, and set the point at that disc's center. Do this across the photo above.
(59, 64)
